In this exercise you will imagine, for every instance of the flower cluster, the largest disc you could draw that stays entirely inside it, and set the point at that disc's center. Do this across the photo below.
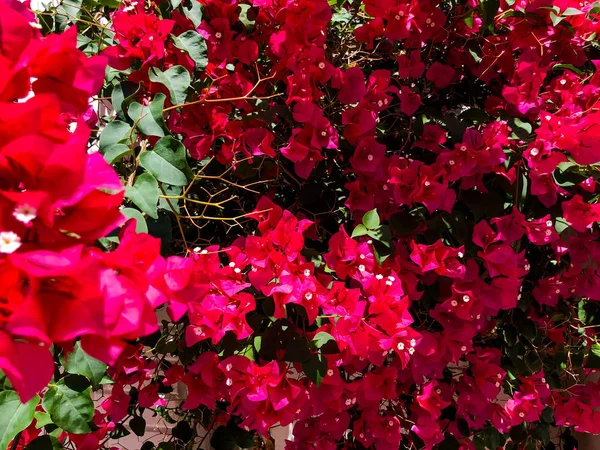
(374, 221)
(56, 201)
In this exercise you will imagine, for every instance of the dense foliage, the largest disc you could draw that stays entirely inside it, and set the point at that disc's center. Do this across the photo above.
(374, 220)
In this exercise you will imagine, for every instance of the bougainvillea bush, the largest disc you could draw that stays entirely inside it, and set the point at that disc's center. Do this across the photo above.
(374, 221)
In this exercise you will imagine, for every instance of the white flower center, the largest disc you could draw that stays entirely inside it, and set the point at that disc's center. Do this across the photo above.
(9, 242)
(25, 213)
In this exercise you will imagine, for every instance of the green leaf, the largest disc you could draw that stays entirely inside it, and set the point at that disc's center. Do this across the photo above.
(570, 67)
(510, 335)
(69, 409)
(140, 227)
(382, 234)
(243, 438)
(315, 368)
(222, 439)
(490, 9)
(371, 220)
(403, 223)
(116, 132)
(79, 362)
(176, 79)
(122, 95)
(194, 45)
(114, 153)
(14, 416)
(360, 230)
(68, 11)
(593, 360)
(45, 442)
(193, 12)
(248, 23)
(528, 329)
(326, 343)
(149, 119)
(175, 3)
(521, 128)
(41, 419)
(167, 162)
(571, 12)
(144, 193)
(456, 127)
(555, 19)
(297, 350)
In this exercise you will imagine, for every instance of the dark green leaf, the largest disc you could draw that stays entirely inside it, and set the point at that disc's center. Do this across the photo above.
(381, 234)
(138, 425)
(490, 9)
(510, 335)
(403, 223)
(69, 409)
(315, 368)
(243, 438)
(45, 442)
(194, 45)
(297, 350)
(455, 126)
(528, 329)
(14, 415)
(222, 439)
(176, 79)
(326, 343)
(161, 228)
(79, 362)
(593, 359)
(144, 193)
(122, 95)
